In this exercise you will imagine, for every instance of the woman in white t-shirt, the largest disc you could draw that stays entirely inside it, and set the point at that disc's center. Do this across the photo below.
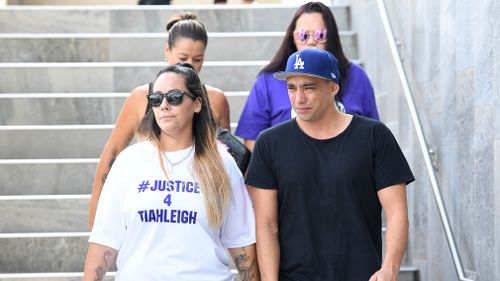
(173, 204)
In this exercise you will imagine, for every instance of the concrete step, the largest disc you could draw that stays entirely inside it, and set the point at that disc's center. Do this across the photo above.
(48, 277)
(31, 250)
(47, 142)
(60, 109)
(115, 77)
(47, 176)
(74, 109)
(142, 47)
(112, 19)
(65, 276)
(27, 253)
(56, 213)
(409, 273)
(55, 141)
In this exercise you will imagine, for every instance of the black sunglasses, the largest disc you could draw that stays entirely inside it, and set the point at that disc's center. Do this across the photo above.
(174, 97)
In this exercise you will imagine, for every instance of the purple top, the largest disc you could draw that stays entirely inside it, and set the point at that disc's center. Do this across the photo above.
(268, 103)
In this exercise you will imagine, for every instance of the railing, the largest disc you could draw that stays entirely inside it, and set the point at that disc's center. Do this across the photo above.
(421, 140)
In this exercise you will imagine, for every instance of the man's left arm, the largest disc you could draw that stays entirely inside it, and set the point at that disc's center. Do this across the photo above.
(394, 204)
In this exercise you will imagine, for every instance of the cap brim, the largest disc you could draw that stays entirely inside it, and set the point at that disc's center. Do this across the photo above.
(283, 75)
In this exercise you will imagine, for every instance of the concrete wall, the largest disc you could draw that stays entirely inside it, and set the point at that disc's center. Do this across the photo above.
(451, 52)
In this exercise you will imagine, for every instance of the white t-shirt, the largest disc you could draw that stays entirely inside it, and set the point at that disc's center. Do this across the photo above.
(160, 226)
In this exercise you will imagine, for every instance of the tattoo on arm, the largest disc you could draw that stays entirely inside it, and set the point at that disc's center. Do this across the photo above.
(101, 270)
(246, 265)
(105, 175)
(99, 274)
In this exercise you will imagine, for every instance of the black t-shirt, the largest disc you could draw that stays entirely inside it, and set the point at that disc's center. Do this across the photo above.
(329, 215)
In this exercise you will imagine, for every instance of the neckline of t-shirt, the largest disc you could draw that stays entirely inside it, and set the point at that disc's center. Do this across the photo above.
(177, 153)
(181, 153)
(345, 131)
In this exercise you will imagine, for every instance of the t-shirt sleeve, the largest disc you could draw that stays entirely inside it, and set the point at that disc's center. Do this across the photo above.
(359, 97)
(255, 116)
(238, 228)
(260, 170)
(369, 106)
(109, 223)
(390, 165)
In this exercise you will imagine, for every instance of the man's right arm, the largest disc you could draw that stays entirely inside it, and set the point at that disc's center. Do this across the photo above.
(265, 203)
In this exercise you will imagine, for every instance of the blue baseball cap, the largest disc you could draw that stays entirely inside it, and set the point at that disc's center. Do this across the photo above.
(311, 62)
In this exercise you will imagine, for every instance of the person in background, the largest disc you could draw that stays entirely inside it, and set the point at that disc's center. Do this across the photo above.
(267, 104)
(175, 202)
(187, 41)
(320, 181)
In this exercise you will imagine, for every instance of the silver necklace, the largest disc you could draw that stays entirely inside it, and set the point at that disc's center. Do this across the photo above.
(173, 164)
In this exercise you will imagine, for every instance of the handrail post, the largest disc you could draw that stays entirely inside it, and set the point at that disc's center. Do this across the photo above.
(422, 142)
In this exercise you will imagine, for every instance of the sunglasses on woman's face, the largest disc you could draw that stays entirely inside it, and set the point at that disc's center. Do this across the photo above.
(174, 97)
(319, 35)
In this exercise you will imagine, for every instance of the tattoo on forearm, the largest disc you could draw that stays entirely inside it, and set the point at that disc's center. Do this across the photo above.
(105, 175)
(99, 274)
(246, 265)
(101, 270)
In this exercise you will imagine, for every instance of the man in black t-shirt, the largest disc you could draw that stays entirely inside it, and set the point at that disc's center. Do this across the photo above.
(320, 181)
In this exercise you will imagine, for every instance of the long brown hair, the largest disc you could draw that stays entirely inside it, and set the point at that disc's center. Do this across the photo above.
(208, 165)
(333, 45)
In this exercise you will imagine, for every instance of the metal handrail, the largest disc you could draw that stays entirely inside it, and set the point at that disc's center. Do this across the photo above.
(421, 139)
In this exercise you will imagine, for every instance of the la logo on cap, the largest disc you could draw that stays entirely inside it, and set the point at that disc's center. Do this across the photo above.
(299, 64)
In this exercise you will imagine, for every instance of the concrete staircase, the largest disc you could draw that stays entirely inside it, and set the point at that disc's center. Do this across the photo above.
(64, 74)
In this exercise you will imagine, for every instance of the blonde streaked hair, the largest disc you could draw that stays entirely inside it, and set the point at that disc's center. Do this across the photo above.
(208, 165)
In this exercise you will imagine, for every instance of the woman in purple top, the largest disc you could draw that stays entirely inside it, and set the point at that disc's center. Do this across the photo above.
(313, 26)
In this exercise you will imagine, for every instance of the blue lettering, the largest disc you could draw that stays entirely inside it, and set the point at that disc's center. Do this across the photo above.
(162, 185)
(157, 185)
(168, 216)
(141, 213)
(192, 217)
(173, 216)
(152, 215)
(173, 186)
(184, 217)
(178, 185)
(159, 215)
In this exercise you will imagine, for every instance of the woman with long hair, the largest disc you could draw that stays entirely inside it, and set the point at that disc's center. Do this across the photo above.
(173, 203)
(313, 26)
(187, 41)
